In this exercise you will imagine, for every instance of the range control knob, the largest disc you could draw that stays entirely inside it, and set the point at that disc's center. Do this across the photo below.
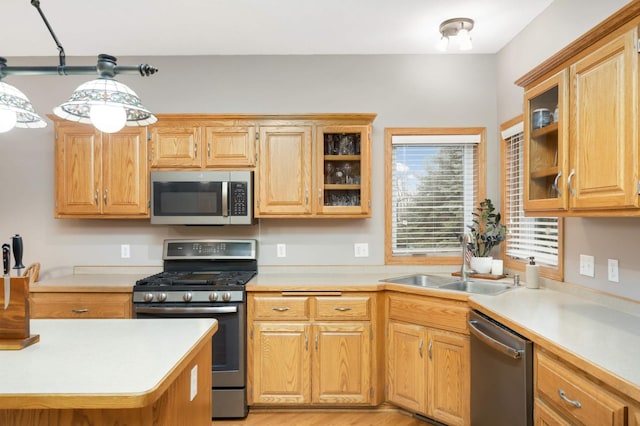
(148, 297)
(187, 296)
(226, 296)
(213, 296)
(162, 297)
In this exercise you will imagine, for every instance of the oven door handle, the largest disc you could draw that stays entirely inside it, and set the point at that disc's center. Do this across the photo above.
(200, 310)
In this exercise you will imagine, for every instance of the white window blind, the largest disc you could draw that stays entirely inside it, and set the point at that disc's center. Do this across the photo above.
(526, 236)
(434, 185)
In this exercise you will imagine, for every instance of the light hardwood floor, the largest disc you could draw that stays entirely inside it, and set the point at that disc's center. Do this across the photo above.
(325, 418)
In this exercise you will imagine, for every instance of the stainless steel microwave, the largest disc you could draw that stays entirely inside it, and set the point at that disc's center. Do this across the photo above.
(202, 197)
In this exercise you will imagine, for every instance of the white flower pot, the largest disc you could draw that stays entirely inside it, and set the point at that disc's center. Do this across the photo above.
(481, 265)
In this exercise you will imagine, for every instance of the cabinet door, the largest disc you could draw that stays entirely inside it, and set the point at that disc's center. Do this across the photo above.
(449, 377)
(342, 363)
(604, 154)
(343, 166)
(230, 146)
(280, 354)
(546, 157)
(545, 416)
(176, 146)
(124, 172)
(406, 366)
(284, 172)
(78, 170)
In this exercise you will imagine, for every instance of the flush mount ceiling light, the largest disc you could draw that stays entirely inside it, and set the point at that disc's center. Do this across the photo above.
(106, 103)
(458, 28)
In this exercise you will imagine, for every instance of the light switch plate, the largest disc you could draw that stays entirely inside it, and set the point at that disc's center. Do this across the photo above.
(612, 270)
(281, 250)
(125, 251)
(361, 250)
(587, 265)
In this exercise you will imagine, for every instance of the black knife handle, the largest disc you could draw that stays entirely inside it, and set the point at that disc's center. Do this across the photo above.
(5, 258)
(16, 241)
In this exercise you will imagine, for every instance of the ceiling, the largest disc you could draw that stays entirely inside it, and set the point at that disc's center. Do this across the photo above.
(255, 27)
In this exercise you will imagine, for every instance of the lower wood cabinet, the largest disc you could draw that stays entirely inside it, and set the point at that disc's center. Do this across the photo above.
(428, 357)
(313, 350)
(80, 305)
(567, 395)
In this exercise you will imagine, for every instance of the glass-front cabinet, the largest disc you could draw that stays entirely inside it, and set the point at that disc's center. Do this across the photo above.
(546, 145)
(343, 170)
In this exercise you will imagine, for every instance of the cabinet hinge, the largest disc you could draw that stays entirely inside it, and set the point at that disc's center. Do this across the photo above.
(638, 187)
(251, 334)
(369, 203)
(371, 392)
(638, 46)
(148, 135)
(56, 135)
(149, 204)
(257, 135)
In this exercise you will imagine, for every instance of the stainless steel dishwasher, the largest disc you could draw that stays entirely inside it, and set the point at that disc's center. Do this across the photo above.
(501, 374)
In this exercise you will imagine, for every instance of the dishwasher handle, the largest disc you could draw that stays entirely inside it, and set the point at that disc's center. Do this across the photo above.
(490, 341)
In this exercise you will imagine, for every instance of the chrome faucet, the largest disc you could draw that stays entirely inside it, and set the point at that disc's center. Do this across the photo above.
(465, 271)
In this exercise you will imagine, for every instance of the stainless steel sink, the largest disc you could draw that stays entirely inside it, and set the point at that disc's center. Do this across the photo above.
(420, 280)
(476, 287)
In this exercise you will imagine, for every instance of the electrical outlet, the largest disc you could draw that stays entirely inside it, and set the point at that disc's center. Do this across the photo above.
(361, 250)
(612, 270)
(281, 250)
(125, 251)
(587, 265)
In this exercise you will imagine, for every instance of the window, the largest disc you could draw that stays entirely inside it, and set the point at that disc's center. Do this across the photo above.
(540, 237)
(434, 178)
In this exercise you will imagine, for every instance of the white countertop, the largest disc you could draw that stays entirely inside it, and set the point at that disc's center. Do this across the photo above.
(99, 357)
(604, 336)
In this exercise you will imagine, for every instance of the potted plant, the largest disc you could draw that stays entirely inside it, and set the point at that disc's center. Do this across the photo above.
(486, 233)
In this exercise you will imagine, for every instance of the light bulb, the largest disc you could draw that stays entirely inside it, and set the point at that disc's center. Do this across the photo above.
(464, 40)
(108, 118)
(8, 120)
(443, 43)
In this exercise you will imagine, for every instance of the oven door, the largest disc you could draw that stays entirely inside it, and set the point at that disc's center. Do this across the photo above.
(229, 342)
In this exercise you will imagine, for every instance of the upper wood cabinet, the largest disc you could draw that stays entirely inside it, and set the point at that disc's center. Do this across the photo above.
(315, 166)
(100, 175)
(283, 182)
(583, 161)
(192, 142)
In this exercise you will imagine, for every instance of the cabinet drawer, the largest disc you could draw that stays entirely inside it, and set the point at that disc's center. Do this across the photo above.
(431, 312)
(280, 308)
(343, 308)
(575, 396)
(80, 305)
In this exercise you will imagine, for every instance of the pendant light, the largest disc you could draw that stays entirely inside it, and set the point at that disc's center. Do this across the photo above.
(104, 102)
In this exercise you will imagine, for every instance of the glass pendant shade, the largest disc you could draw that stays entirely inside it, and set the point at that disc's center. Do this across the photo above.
(464, 40)
(107, 104)
(16, 110)
(443, 43)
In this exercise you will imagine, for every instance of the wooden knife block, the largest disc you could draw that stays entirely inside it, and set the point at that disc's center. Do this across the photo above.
(14, 321)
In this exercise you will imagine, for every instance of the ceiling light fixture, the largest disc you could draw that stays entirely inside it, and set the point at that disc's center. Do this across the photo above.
(456, 27)
(106, 103)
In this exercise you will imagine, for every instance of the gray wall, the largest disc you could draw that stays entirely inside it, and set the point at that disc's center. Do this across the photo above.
(452, 90)
(605, 238)
(404, 90)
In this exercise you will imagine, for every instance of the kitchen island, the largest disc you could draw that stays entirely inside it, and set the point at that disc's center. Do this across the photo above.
(108, 372)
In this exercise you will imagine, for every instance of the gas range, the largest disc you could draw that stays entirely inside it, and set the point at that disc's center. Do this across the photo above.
(200, 271)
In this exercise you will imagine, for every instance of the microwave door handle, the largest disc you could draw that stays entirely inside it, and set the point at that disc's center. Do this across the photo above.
(225, 199)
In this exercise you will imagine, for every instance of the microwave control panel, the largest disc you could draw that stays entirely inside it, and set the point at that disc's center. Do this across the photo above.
(238, 199)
